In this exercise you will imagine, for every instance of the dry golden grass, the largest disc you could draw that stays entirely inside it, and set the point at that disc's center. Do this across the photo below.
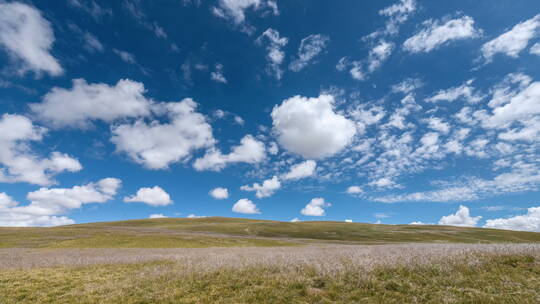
(325, 258)
(406, 273)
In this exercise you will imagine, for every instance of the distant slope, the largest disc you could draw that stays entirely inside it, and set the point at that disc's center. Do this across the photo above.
(226, 232)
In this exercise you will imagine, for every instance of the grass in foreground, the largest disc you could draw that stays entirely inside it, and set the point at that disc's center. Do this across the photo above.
(233, 232)
(341, 274)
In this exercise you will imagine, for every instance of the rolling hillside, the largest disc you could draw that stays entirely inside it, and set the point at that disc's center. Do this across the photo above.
(234, 232)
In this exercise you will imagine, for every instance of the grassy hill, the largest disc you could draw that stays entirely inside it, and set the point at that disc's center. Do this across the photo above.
(235, 232)
(124, 262)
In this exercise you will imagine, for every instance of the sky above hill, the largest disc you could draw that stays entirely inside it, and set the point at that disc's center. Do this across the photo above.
(394, 112)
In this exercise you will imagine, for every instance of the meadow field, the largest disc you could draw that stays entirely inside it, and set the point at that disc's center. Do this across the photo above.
(222, 260)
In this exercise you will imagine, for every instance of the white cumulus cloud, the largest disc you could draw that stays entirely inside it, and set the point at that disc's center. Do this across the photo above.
(84, 102)
(28, 38)
(267, 188)
(437, 124)
(156, 145)
(354, 190)
(512, 42)
(462, 218)
(310, 127)
(315, 207)
(249, 151)
(154, 196)
(219, 193)
(157, 216)
(526, 222)
(47, 205)
(245, 206)
(301, 170)
(521, 104)
(18, 163)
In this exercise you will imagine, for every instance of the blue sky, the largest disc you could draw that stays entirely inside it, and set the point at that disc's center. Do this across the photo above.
(395, 112)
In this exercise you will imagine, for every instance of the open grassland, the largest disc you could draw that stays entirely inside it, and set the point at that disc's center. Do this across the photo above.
(395, 273)
(227, 260)
(231, 232)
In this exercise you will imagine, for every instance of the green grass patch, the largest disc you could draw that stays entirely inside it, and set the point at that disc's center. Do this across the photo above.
(211, 232)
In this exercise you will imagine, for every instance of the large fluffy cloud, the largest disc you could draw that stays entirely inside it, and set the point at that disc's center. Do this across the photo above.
(436, 33)
(156, 145)
(315, 207)
(462, 217)
(18, 163)
(249, 151)
(48, 204)
(28, 38)
(245, 206)
(512, 42)
(51, 201)
(84, 102)
(9, 217)
(527, 222)
(154, 196)
(310, 127)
